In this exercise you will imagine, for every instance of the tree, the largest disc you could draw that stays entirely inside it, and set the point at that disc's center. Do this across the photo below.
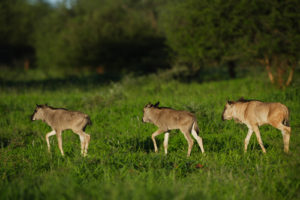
(117, 35)
(17, 25)
(215, 32)
(275, 38)
(205, 33)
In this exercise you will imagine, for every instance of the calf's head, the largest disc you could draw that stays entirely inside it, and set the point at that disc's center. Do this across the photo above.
(38, 113)
(228, 111)
(148, 110)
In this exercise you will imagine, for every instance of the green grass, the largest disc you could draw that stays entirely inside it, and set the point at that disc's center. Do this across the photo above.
(122, 164)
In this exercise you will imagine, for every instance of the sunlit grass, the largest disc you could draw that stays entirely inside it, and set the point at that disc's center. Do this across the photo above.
(121, 162)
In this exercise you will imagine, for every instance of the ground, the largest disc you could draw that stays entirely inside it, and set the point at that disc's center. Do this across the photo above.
(121, 162)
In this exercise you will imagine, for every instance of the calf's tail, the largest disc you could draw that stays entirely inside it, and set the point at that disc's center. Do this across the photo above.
(195, 127)
(286, 121)
(89, 122)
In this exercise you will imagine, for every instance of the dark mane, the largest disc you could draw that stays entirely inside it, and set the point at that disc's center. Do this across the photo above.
(55, 108)
(150, 105)
(164, 108)
(242, 100)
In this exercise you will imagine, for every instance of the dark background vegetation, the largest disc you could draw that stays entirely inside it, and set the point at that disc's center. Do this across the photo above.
(108, 58)
(122, 36)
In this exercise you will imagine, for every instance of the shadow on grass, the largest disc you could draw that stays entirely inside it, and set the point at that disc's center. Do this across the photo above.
(4, 142)
(144, 145)
(182, 74)
(205, 74)
(58, 83)
(227, 143)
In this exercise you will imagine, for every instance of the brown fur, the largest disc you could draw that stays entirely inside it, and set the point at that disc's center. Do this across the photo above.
(168, 119)
(254, 113)
(60, 119)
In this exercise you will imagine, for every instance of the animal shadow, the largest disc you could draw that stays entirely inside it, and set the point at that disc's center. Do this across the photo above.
(146, 145)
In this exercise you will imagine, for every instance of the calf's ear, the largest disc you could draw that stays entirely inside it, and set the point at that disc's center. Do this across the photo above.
(230, 102)
(148, 105)
(157, 103)
(241, 99)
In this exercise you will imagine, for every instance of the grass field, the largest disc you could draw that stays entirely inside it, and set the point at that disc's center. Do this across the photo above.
(121, 163)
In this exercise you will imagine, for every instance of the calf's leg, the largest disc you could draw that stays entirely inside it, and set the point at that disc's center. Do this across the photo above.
(198, 139)
(82, 143)
(47, 138)
(87, 142)
(250, 131)
(59, 140)
(277, 121)
(166, 140)
(190, 142)
(257, 133)
(286, 134)
(84, 140)
(156, 133)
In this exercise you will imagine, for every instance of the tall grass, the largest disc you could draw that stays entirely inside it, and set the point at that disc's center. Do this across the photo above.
(121, 163)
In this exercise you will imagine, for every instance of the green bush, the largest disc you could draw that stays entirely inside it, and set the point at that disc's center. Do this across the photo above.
(227, 33)
(117, 35)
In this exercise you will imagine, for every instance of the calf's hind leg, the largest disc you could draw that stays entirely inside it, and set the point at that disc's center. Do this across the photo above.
(286, 140)
(87, 142)
(189, 140)
(198, 139)
(286, 134)
(83, 139)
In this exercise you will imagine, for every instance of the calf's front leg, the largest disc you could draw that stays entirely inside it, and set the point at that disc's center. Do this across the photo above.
(59, 140)
(47, 138)
(166, 140)
(250, 131)
(257, 133)
(156, 133)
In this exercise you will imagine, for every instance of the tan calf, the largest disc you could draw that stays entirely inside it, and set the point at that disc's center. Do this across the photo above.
(60, 119)
(168, 119)
(256, 113)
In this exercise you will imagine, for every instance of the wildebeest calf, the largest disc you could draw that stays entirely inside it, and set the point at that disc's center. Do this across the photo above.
(60, 119)
(256, 113)
(167, 119)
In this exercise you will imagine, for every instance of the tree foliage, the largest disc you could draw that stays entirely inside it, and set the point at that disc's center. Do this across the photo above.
(205, 33)
(131, 35)
(17, 24)
(113, 34)
(276, 38)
